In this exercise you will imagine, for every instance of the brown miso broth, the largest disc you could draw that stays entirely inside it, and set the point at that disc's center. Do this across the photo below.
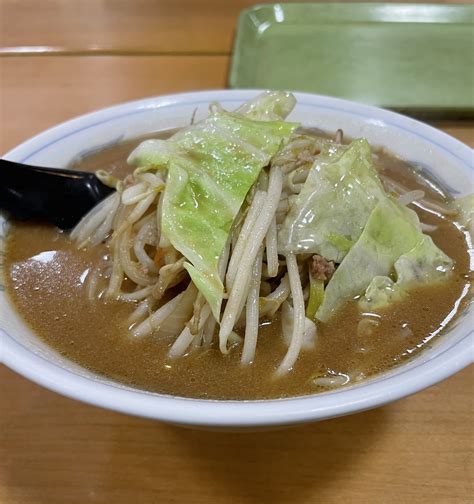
(45, 276)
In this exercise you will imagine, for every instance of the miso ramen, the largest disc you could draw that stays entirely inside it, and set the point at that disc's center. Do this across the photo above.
(245, 257)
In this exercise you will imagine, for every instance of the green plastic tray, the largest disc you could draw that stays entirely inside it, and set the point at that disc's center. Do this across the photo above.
(403, 56)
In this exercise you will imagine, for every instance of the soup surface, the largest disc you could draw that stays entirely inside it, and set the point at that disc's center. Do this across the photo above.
(46, 277)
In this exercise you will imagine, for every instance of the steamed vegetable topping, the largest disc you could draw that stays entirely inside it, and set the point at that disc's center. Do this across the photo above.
(344, 214)
(465, 210)
(240, 217)
(330, 212)
(211, 166)
(391, 239)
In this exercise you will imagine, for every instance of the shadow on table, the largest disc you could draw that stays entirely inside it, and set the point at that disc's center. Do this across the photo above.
(53, 450)
(290, 465)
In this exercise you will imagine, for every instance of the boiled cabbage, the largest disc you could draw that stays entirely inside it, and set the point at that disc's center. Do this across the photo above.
(328, 215)
(391, 241)
(210, 168)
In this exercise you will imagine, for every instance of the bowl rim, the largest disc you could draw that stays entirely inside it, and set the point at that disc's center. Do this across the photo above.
(254, 413)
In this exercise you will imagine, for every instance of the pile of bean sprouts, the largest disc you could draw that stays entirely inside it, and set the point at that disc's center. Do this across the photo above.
(142, 267)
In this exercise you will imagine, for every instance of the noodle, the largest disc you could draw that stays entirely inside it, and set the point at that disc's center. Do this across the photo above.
(137, 212)
(271, 303)
(146, 236)
(428, 228)
(168, 276)
(117, 275)
(137, 295)
(299, 315)
(134, 194)
(106, 227)
(152, 323)
(88, 224)
(186, 337)
(240, 287)
(409, 197)
(140, 311)
(271, 248)
(251, 325)
(131, 268)
(244, 236)
(182, 343)
(430, 206)
(92, 281)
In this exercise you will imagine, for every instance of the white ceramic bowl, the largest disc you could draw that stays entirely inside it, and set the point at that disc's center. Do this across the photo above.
(446, 158)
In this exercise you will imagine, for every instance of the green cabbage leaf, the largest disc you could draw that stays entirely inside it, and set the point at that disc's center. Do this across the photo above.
(211, 166)
(329, 214)
(465, 209)
(391, 243)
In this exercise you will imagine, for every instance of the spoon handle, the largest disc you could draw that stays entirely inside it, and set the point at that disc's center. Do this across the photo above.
(61, 197)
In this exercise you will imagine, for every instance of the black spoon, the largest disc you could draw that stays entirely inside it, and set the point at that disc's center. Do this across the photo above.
(61, 197)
